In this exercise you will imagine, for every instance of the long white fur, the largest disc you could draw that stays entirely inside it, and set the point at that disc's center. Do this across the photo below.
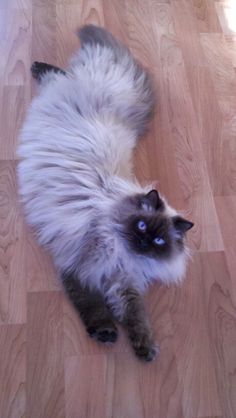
(74, 170)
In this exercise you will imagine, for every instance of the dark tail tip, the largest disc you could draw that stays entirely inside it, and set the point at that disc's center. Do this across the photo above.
(91, 34)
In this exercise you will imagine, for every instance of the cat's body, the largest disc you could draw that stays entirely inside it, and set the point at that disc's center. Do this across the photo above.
(76, 178)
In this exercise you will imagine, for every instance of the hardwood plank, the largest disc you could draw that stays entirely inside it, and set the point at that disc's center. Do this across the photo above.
(205, 15)
(223, 76)
(226, 11)
(43, 45)
(118, 387)
(12, 371)
(189, 153)
(16, 46)
(230, 41)
(68, 18)
(151, 162)
(40, 272)
(15, 101)
(221, 321)
(211, 125)
(141, 39)
(15, 4)
(115, 18)
(215, 416)
(198, 15)
(89, 397)
(194, 340)
(219, 63)
(148, 390)
(12, 274)
(165, 398)
(179, 116)
(91, 11)
(205, 100)
(129, 395)
(226, 209)
(45, 367)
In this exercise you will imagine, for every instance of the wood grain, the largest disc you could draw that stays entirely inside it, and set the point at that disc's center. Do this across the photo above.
(12, 273)
(88, 397)
(226, 209)
(193, 338)
(221, 322)
(226, 14)
(15, 100)
(40, 273)
(12, 371)
(49, 368)
(45, 368)
(16, 43)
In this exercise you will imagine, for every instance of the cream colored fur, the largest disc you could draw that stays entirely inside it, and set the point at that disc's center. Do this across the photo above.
(76, 150)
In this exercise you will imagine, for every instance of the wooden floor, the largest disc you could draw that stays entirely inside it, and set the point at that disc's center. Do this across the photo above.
(48, 366)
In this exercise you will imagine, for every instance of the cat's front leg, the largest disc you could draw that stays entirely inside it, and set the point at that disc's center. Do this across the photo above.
(90, 304)
(128, 307)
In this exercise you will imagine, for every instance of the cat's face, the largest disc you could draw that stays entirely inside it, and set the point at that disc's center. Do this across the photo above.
(151, 229)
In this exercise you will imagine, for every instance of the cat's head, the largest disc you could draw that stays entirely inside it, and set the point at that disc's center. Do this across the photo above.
(152, 228)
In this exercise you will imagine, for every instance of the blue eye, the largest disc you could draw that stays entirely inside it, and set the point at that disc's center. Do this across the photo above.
(142, 226)
(159, 241)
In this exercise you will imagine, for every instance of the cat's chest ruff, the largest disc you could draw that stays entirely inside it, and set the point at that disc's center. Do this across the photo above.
(141, 270)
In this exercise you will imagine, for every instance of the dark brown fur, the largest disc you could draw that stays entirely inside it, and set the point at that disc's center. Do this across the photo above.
(99, 321)
(137, 325)
(93, 311)
(39, 69)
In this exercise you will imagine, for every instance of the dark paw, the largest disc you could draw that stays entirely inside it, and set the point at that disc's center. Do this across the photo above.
(147, 353)
(104, 334)
(144, 346)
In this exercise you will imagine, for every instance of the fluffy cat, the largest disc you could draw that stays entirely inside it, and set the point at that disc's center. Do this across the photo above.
(109, 236)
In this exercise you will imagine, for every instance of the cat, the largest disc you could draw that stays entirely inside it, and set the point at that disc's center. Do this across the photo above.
(109, 237)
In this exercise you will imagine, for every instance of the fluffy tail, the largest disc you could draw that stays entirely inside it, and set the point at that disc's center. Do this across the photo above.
(94, 35)
(121, 77)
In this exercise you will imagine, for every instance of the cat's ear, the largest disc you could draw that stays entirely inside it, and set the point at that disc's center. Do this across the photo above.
(182, 225)
(153, 199)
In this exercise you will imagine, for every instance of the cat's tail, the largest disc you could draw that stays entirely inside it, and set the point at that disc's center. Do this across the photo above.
(120, 76)
(95, 35)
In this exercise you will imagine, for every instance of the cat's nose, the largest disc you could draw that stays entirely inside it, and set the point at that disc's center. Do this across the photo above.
(144, 244)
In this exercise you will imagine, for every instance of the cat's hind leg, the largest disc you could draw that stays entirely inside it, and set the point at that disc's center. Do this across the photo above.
(41, 70)
(90, 304)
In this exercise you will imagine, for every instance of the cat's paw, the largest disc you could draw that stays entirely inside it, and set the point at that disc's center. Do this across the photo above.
(104, 334)
(144, 347)
(147, 352)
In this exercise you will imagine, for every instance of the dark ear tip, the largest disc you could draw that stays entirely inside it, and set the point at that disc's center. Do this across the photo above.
(191, 225)
(188, 225)
(182, 224)
(154, 199)
(153, 191)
